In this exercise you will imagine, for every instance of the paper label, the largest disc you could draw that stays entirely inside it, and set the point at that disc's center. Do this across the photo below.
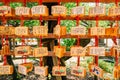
(40, 30)
(78, 30)
(21, 31)
(78, 71)
(22, 11)
(58, 10)
(5, 10)
(77, 51)
(43, 71)
(41, 51)
(59, 71)
(78, 10)
(97, 51)
(38, 10)
(22, 69)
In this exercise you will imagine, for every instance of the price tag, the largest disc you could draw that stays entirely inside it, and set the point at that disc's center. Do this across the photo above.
(21, 31)
(79, 10)
(59, 51)
(39, 10)
(99, 10)
(40, 51)
(100, 51)
(114, 11)
(97, 31)
(77, 51)
(22, 50)
(40, 30)
(59, 30)
(25, 68)
(59, 71)
(6, 70)
(78, 71)
(22, 69)
(59, 10)
(6, 10)
(22, 11)
(80, 30)
(42, 71)
(111, 31)
(97, 71)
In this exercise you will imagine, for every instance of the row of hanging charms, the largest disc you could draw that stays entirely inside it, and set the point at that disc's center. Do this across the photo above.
(59, 51)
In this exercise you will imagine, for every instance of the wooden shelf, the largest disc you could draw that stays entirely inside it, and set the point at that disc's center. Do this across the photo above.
(85, 17)
(50, 1)
(51, 36)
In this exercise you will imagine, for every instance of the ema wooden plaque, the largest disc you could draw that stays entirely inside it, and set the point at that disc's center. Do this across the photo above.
(111, 31)
(42, 71)
(78, 71)
(115, 51)
(100, 51)
(114, 11)
(25, 68)
(59, 10)
(59, 51)
(22, 11)
(5, 50)
(40, 52)
(59, 30)
(59, 71)
(22, 50)
(97, 71)
(5, 10)
(21, 31)
(79, 30)
(97, 31)
(6, 70)
(98, 10)
(77, 11)
(39, 10)
(77, 51)
(40, 31)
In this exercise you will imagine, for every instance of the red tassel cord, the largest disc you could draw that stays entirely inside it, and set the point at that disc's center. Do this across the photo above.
(40, 2)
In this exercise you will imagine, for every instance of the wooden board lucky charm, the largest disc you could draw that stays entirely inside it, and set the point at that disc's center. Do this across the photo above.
(5, 50)
(59, 30)
(5, 10)
(115, 51)
(42, 71)
(21, 31)
(79, 30)
(98, 10)
(39, 10)
(59, 71)
(22, 50)
(40, 52)
(97, 31)
(116, 72)
(96, 71)
(40, 30)
(59, 10)
(59, 51)
(7, 30)
(22, 11)
(25, 68)
(100, 51)
(78, 71)
(77, 11)
(77, 51)
(111, 31)
(6, 70)
(114, 11)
